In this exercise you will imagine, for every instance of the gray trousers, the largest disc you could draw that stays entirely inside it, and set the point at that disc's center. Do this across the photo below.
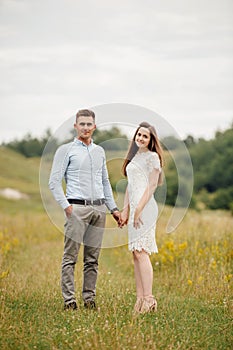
(85, 225)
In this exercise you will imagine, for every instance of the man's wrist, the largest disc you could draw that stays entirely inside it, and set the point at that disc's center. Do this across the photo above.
(113, 210)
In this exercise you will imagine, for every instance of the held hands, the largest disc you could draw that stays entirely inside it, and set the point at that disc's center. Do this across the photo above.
(122, 218)
(117, 216)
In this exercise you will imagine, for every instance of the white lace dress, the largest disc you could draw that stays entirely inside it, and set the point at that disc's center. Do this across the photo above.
(138, 171)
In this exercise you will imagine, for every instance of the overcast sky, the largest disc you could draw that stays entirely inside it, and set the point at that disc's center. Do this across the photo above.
(173, 57)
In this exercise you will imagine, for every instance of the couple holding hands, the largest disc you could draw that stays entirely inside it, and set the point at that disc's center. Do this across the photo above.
(82, 164)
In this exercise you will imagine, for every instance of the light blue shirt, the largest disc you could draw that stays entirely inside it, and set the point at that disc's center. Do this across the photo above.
(84, 170)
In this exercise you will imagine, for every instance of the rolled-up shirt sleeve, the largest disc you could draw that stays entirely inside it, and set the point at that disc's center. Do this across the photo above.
(59, 167)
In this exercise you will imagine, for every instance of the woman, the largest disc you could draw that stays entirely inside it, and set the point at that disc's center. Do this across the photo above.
(142, 167)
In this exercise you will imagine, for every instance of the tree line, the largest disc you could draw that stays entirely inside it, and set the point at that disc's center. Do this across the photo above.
(31, 146)
(211, 160)
(212, 167)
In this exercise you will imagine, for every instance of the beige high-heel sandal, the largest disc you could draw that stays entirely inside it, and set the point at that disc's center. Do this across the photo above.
(149, 304)
(138, 305)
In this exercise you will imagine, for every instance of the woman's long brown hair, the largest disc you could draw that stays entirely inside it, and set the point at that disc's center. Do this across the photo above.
(154, 146)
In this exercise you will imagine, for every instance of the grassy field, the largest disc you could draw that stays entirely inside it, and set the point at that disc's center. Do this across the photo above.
(193, 281)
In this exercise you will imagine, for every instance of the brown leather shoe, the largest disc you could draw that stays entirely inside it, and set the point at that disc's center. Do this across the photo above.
(70, 306)
(90, 304)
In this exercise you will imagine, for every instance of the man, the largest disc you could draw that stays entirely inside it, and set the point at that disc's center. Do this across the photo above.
(83, 166)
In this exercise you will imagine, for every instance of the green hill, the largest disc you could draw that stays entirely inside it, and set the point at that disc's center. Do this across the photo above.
(21, 174)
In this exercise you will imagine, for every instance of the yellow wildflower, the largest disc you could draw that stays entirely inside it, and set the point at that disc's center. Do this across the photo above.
(183, 246)
(4, 274)
(227, 278)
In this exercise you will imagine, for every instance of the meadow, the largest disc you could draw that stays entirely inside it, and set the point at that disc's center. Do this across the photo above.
(193, 281)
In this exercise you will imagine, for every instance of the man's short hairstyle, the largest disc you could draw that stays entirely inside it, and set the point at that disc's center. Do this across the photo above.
(85, 113)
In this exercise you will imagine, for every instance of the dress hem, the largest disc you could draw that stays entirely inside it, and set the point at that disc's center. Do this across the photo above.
(140, 249)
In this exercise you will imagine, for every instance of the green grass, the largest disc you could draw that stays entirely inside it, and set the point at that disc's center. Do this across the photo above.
(19, 173)
(190, 316)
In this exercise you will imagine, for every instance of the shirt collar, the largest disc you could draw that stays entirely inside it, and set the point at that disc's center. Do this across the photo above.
(78, 142)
